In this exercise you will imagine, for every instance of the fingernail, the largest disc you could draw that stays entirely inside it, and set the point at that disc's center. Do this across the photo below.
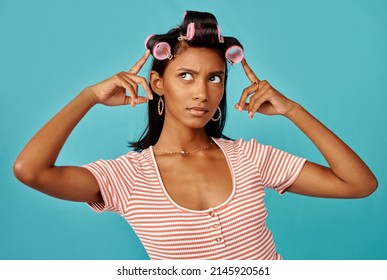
(251, 115)
(239, 108)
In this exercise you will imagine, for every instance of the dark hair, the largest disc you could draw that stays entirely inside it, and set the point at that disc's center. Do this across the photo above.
(206, 34)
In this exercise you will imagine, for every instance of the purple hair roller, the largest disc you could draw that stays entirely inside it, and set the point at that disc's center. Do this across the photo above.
(234, 54)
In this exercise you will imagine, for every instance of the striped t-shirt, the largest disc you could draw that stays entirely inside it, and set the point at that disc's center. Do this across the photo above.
(131, 185)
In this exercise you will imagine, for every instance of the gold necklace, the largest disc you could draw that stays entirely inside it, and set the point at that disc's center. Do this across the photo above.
(184, 152)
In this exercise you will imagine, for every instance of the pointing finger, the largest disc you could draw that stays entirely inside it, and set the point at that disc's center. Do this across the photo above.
(249, 72)
(139, 64)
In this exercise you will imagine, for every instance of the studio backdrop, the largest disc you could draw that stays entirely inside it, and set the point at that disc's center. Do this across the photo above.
(329, 56)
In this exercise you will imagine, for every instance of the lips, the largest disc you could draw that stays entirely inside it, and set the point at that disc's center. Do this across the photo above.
(197, 111)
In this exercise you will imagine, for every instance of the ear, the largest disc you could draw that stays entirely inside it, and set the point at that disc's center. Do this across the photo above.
(156, 82)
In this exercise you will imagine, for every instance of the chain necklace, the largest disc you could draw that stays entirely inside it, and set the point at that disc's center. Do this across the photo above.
(184, 152)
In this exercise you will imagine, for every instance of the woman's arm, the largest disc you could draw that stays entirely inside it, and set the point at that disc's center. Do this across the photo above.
(347, 175)
(35, 165)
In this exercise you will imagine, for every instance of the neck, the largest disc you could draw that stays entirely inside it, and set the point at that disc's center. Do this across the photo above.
(186, 139)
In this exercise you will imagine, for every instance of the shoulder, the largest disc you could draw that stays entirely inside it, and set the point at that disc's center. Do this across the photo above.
(131, 160)
(237, 143)
(137, 159)
(241, 145)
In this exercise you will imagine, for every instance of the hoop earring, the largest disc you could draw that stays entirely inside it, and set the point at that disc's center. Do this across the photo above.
(160, 106)
(218, 118)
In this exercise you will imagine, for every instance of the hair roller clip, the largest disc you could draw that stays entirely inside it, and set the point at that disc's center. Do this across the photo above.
(234, 54)
(162, 51)
(190, 32)
(220, 37)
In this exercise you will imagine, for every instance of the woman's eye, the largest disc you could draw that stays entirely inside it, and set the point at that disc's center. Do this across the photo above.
(186, 76)
(215, 79)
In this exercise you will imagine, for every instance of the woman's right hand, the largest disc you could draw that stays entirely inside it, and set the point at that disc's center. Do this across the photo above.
(35, 166)
(112, 91)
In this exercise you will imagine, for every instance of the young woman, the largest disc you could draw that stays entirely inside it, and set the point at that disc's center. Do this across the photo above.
(188, 191)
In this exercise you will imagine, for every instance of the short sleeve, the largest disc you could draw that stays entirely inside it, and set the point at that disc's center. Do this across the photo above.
(278, 169)
(116, 179)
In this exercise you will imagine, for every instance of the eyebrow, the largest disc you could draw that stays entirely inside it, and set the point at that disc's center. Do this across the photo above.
(196, 72)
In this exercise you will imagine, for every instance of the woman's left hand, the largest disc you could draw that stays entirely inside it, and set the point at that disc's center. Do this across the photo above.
(347, 176)
(263, 97)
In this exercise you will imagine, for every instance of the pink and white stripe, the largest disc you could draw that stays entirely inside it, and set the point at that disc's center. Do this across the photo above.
(236, 229)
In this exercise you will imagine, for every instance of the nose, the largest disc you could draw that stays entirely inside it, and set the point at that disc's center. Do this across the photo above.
(200, 91)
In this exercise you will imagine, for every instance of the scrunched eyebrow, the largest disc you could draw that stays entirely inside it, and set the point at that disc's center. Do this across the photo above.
(220, 72)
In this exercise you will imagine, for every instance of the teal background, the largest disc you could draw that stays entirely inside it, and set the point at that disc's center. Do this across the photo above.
(329, 55)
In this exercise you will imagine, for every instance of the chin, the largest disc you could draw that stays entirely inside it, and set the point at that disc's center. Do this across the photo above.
(196, 124)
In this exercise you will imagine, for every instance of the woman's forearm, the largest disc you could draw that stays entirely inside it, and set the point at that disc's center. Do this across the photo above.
(43, 149)
(342, 160)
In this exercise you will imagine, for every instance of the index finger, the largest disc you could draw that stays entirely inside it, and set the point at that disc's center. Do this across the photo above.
(249, 72)
(139, 64)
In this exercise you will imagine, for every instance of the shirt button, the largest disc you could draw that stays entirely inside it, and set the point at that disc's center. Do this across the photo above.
(212, 214)
(218, 239)
(215, 225)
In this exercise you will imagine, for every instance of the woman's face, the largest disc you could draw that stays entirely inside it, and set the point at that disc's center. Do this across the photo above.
(193, 86)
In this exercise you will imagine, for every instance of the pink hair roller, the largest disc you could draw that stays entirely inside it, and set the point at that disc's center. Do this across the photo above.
(147, 39)
(162, 51)
(185, 13)
(234, 54)
(190, 32)
(220, 37)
